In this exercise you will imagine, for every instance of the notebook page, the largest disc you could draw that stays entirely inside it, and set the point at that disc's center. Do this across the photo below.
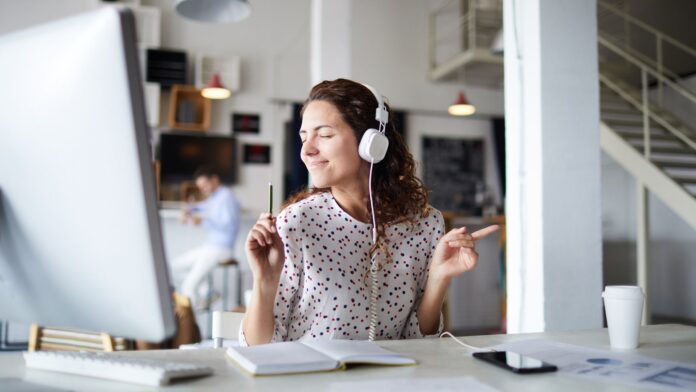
(358, 351)
(279, 358)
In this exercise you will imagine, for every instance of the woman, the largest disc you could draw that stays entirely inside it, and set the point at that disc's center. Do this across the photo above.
(311, 264)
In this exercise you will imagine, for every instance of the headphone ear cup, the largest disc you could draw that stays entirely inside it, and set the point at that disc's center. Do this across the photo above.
(373, 146)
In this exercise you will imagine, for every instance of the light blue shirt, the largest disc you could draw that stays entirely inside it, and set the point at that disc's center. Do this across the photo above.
(220, 217)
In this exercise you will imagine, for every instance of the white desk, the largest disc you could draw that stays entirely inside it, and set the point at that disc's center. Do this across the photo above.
(436, 357)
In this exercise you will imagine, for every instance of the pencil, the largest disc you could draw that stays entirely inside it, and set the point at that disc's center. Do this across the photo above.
(270, 198)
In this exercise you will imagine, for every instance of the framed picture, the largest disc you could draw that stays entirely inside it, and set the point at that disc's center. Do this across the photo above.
(256, 153)
(246, 123)
(453, 173)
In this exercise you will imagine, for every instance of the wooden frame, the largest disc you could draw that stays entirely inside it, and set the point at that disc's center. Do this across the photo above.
(201, 107)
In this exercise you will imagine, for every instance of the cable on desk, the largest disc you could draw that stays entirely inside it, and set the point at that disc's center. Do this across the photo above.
(446, 333)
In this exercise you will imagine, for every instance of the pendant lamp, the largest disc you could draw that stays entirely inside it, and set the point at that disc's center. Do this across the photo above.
(213, 11)
(461, 107)
(215, 89)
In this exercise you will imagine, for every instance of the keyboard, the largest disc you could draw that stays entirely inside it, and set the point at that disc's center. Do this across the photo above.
(114, 367)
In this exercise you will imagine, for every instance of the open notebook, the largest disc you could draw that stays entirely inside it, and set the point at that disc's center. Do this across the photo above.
(312, 356)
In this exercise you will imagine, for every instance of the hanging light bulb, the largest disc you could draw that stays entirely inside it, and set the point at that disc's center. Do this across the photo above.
(215, 89)
(461, 107)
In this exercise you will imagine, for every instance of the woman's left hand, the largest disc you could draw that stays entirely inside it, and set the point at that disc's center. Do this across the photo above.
(456, 252)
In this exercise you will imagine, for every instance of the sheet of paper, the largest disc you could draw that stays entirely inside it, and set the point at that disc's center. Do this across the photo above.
(610, 366)
(439, 384)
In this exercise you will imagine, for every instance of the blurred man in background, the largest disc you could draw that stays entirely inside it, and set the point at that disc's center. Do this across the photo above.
(219, 214)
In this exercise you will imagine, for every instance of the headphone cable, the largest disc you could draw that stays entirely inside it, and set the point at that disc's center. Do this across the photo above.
(373, 269)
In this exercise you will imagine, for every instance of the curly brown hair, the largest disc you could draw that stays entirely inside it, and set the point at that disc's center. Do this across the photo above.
(399, 196)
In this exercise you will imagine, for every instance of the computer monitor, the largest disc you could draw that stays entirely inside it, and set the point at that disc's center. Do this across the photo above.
(80, 238)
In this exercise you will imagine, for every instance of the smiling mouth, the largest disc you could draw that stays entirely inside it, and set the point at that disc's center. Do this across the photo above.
(317, 164)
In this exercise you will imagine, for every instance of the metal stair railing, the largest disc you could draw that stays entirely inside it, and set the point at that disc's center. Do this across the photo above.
(649, 173)
(456, 27)
(663, 42)
(646, 59)
(643, 104)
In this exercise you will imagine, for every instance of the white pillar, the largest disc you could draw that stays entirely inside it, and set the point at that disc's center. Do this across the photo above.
(642, 245)
(330, 54)
(553, 165)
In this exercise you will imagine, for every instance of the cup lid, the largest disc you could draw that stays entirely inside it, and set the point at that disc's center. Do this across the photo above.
(623, 292)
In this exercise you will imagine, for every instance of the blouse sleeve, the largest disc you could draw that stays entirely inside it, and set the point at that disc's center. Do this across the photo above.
(412, 327)
(290, 283)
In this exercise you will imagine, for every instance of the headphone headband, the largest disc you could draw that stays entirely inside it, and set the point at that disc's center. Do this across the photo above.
(381, 113)
(374, 143)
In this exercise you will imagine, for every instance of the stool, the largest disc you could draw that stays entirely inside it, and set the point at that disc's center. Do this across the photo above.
(225, 265)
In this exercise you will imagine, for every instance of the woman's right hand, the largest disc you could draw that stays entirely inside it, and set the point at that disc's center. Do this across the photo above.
(264, 250)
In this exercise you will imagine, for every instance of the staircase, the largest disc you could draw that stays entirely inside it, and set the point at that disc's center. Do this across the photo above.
(638, 130)
(640, 95)
(639, 67)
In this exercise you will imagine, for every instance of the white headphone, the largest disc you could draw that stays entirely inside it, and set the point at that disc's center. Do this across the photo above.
(373, 147)
(373, 144)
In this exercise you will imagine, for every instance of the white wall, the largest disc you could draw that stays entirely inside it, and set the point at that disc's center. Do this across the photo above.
(672, 258)
(16, 15)
(390, 51)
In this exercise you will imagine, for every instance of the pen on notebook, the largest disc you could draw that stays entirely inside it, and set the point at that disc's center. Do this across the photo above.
(270, 198)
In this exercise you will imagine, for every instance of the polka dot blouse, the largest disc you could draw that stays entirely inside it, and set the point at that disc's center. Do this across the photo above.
(324, 289)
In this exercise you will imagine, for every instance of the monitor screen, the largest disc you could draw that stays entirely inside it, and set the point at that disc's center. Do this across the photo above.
(80, 239)
(182, 154)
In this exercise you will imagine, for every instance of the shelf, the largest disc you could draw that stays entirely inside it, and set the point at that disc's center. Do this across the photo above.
(188, 109)
(227, 67)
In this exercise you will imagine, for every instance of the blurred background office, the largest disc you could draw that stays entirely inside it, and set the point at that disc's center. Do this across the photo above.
(568, 177)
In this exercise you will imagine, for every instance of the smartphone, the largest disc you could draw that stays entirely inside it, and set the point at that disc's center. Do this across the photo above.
(515, 362)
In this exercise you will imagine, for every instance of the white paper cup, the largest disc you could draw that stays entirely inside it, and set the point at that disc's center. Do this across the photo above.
(624, 309)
